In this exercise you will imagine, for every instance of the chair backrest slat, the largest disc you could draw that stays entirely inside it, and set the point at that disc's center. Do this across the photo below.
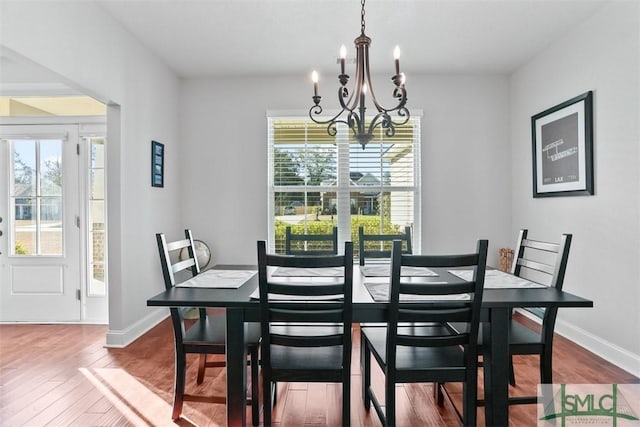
(178, 244)
(433, 341)
(542, 246)
(436, 288)
(298, 244)
(534, 265)
(442, 314)
(306, 289)
(325, 314)
(301, 261)
(183, 265)
(383, 245)
(306, 341)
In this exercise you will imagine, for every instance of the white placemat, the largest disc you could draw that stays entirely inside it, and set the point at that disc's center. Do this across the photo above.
(379, 291)
(496, 279)
(223, 279)
(383, 270)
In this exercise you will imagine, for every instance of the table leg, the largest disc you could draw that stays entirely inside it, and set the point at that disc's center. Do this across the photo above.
(496, 368)
(236, 368)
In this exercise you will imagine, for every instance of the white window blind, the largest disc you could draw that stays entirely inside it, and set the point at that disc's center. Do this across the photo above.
(317, 181)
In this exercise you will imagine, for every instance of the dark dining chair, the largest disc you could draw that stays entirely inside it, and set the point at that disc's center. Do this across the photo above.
(311, 244)
(544, 263)
(204, 335)
(380, 246)
(306, 324)
(433, 353)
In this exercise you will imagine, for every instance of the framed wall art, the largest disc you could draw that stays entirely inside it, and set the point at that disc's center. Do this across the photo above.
(157, 164)
(562, 142)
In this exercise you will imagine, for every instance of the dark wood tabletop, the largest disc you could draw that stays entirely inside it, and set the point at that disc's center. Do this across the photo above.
(362, 300)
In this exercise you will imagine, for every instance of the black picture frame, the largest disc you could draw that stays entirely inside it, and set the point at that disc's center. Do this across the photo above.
(562, 144)
(157, 164)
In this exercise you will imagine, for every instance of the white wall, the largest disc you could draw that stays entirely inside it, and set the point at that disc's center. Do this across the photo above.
(465, 158)
(602, 55)
(82, 44)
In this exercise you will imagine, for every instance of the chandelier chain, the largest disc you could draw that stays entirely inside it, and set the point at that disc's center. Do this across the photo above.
(362, 16)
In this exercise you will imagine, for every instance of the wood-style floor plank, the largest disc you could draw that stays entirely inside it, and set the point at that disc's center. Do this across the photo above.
(62, 375)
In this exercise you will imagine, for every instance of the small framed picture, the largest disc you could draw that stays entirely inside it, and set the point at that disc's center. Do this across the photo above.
(157, 164)
(562, 142)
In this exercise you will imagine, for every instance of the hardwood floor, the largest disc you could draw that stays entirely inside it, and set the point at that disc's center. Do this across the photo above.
(61, 375)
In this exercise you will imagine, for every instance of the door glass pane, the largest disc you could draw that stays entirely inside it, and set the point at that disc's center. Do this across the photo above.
(24, 168)
(97, 231)
(24, 226)
(51, 226)
(51, 167)
(97, 184)
(97, 153)
(97, 214)
(97, 256)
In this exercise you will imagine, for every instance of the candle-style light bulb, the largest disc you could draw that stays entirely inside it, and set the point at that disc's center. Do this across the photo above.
(343, 56)
(396, 56)
(314, 79)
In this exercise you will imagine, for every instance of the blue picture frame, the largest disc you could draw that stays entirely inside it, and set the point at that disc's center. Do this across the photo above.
(157, 164)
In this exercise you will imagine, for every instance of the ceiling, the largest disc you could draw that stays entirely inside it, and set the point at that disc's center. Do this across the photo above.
(200, 38)
(289, 37)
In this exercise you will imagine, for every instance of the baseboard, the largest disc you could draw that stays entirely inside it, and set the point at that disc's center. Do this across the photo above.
(612, 353)
(122, 338)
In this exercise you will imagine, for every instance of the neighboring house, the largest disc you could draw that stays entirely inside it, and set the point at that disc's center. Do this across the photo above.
(50, 210)
(363, 203)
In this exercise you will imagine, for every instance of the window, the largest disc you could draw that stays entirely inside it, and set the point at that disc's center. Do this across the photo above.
(317, 181)
(97, 214)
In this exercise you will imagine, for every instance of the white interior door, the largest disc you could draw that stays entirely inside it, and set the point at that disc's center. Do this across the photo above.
(40, 276)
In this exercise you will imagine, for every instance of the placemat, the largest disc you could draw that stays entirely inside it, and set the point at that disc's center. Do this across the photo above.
(497, 279)
(379, 291)
(223, 279)
(383, 270)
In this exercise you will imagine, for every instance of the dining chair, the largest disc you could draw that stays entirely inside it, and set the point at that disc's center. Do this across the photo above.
(204, 335)
(381, 248)
(311, 244)
(434, 353)
(544, 263)
(306, 324)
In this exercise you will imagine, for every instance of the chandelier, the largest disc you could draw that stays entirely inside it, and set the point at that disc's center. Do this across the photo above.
(353, 104)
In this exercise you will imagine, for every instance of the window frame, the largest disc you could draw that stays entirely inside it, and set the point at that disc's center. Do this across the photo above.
(343, 188)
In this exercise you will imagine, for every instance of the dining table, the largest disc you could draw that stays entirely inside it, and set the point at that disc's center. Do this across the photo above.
(369, 305)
